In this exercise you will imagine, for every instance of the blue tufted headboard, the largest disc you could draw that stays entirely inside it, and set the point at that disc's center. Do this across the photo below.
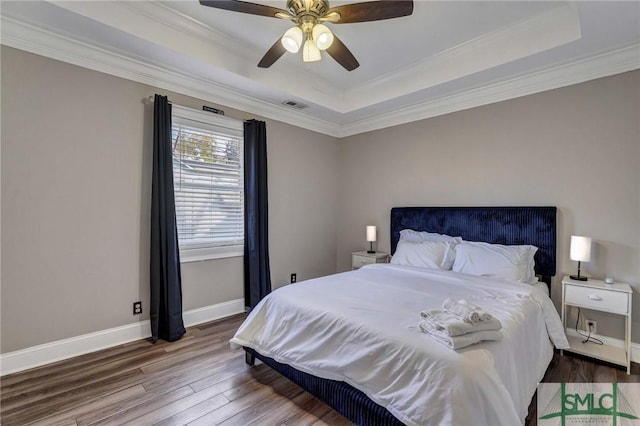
(497, 225)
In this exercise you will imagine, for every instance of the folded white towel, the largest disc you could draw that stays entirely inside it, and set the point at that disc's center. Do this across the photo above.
(446, 324)
(459, 342)
(465, 310)
(484, 315)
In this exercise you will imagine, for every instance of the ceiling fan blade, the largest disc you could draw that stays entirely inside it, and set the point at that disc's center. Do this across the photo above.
(342, 54)
(246, 7)
(272, 55)
(372, 11)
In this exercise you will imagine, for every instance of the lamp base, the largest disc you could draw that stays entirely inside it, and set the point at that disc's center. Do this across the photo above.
(371, 250)
(578, 278)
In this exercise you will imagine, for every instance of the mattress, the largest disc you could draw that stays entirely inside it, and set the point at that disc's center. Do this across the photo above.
(360, 327)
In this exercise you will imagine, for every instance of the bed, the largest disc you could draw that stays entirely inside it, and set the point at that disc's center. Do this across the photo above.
(363, 354)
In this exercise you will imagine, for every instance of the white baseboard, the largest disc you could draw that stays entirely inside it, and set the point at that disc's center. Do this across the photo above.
(35, 356)
(619, 343)
(13, 362)
(213, 312)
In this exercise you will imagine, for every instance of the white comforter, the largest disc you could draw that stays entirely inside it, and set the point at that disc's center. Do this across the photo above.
(361, 327)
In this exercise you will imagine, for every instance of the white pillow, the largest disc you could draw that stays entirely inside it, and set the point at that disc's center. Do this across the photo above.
(418, 237)
(513, 263)
(426, 254)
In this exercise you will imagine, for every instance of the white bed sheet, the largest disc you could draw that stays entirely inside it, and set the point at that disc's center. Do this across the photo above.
(542, 286)
(361, 327)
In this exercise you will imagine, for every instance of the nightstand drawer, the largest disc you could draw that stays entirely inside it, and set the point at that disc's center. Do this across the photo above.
(362, 258)
(358, 261)
(594, 298)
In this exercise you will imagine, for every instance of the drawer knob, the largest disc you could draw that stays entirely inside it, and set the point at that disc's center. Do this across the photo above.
(363, 261)
(594, 297)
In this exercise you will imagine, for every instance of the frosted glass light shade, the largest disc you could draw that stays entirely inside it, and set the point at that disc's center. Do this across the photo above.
(322, 36)
(580, 248)
(371, 234)
(310, 52)
(292, 39)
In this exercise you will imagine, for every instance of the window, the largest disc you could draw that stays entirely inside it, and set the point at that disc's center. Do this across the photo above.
(208, 179)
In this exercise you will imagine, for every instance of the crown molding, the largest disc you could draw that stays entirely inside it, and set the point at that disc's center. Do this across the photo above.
(161, 25)
(550, 29)
(46, 43)
(167, 16)
(606, 64)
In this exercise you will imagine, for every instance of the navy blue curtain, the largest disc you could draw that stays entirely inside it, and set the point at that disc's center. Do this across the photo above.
(257, 276)
(166, 289)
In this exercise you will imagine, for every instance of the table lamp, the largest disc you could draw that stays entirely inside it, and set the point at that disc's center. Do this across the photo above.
(580, 251)
(371, 238)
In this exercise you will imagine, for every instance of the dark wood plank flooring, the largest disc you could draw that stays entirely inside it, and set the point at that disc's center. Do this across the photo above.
(197, 381)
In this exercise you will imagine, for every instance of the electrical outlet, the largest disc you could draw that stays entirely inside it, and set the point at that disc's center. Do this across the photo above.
(137, 308)
(591, 326)
(294, 278)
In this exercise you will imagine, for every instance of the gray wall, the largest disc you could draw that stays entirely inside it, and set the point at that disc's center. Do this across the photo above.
(577, 148)
(75, 179)
(76, 174)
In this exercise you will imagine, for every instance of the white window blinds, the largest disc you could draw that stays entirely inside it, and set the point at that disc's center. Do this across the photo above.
(208, 179)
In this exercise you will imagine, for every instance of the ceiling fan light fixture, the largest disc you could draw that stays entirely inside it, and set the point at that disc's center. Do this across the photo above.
(308, 16)
(292, 39)
(331, 17)
(322, 36)
(284, 15)
(310, 52)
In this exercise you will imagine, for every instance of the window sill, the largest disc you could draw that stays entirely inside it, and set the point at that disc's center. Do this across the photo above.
(188, 255)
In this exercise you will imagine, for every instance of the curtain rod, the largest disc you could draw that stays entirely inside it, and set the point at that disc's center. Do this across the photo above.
(151, 98)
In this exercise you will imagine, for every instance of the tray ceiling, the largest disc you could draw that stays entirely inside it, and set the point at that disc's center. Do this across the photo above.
(447, 56)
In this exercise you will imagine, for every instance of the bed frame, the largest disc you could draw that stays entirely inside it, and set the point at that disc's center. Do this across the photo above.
(498, 225)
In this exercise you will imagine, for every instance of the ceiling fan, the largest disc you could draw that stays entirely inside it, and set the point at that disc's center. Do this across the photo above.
(308, 17)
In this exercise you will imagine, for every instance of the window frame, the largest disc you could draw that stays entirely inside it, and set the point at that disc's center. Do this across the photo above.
(213, 122)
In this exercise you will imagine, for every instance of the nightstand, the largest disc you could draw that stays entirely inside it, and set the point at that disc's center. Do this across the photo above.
(598, 296)
(361, 258)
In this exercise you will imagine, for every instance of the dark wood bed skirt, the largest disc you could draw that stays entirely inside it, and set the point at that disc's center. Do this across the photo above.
(342, 397)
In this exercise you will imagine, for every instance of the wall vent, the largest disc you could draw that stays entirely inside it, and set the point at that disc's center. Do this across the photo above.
(294, 104)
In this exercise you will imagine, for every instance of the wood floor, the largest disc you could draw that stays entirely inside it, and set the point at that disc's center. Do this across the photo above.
(198, 381)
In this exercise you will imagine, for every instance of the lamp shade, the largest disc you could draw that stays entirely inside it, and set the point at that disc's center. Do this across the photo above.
(310, 52)
(580, 248)
(322, 36)
(371, 234)
(292, 39)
